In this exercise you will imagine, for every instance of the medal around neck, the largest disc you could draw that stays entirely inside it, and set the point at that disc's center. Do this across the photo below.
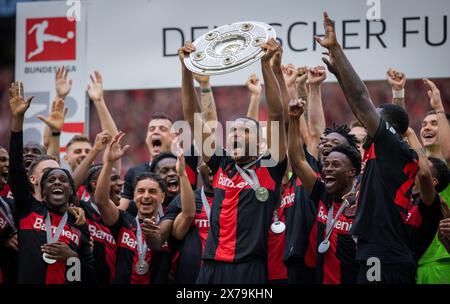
(323, 247)
(47, 259)
(141, 267)
(262, 194)
(229, 48)
(277, 227)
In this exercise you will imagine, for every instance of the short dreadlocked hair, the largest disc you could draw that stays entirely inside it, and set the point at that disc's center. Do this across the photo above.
(92, 174)
(352, 154)
(440, 171)
(73, 199)
(343, 130)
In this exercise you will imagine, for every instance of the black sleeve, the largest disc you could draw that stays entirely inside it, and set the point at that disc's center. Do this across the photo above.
(127, 191)
(191, 169)
(215, 160)
(277, 170)
(318, 191)
(423, 234)
(115, 229)
(312, 161)
(18, 179)
(390, 150)
(88, 275)
(173, 209)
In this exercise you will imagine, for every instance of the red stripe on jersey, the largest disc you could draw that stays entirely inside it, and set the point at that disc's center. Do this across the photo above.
(102, 235)
(192, 175)
(414, 217)
(369, 153)
(403, 194)
(228, 215)
(202, 223)
(56, 273)
(331, 264)
(128, 242)
(311, 252)
(276, 242)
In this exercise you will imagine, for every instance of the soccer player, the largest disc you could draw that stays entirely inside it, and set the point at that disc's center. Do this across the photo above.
(43, 253)
(389, 173)
(105, 246)
(5, 189)
(245, 190)
(138, 238)
(334, 253)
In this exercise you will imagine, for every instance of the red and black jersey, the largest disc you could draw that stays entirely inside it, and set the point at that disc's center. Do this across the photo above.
(191, 170)
(6, 192)
(239, 222)
(105, 245)
(300, 217)
(385, 198)
(124, 231)
(277, 241)
(422, 225)
(8, 256)
(82, 194)
(338, 264)
(190, 249)
(32, 230)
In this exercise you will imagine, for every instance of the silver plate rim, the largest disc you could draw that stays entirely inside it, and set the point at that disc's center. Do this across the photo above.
(211, 72)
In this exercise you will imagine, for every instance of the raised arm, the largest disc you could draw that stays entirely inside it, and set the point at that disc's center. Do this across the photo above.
(444, 128)
(80, 173)
(18, 179)
(254, 86)
(107, 208)
(183, 221)
(277, 69)
(397, 82)
(107, 123)
(426, 187)
(354, 89)
(207, 103)
(55, 122)
(296, 154)
(190, 103)
(274, 102)
(316, 118)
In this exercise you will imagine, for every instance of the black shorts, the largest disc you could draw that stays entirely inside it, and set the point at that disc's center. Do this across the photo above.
(389, 274)
(249, 272)
(299, 273)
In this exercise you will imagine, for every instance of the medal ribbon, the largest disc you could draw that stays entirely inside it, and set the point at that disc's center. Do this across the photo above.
(331, 223)
(253, 181)
(7, 214)
(48, 228)
(141, 245)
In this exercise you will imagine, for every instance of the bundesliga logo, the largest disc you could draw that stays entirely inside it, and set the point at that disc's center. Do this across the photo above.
(50, 39)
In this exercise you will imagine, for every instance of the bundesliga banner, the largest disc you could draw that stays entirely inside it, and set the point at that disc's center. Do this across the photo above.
(134, 43)
(45, 40)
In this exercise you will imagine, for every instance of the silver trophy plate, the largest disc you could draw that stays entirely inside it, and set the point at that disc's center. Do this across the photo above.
(229, 48)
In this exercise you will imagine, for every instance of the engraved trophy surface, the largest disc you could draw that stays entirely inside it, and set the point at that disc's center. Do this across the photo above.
(229, 48)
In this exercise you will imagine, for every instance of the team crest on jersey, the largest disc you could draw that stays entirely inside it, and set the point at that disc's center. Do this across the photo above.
(350, 212)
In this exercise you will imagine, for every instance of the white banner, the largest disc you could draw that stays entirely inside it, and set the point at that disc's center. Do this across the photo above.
(134, 43)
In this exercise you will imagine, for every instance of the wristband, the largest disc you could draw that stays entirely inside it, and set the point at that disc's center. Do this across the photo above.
(440, 111)
(398, 93)
(205, 90)
(56, 133)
